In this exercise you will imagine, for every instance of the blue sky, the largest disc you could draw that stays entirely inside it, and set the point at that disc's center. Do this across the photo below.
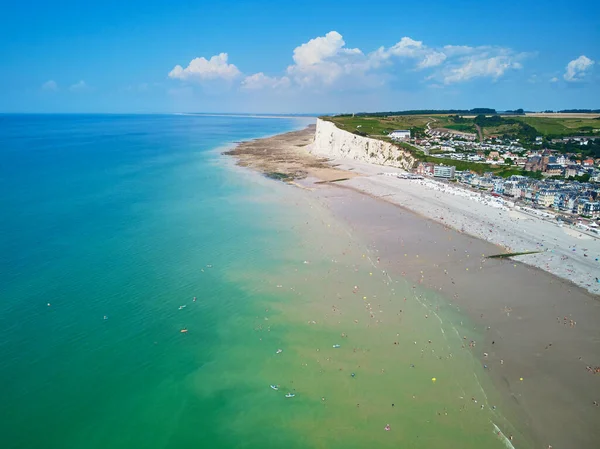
(303, 56)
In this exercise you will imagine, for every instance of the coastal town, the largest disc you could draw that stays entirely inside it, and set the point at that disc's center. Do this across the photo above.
(566, 184)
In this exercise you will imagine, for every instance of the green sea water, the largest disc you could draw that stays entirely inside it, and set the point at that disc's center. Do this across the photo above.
(112, 225)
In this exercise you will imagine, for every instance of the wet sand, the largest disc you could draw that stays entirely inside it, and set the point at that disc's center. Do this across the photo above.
(523, 307)
(537, 327)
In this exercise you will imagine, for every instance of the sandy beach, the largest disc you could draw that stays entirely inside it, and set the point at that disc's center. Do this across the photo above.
(541, 334)
(564, 251)
(287, 154)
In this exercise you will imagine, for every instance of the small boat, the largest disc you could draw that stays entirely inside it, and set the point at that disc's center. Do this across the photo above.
(275, 387)
(183, 331)
(279, 351)
(182, 307)
(290, 395)
(336, 346)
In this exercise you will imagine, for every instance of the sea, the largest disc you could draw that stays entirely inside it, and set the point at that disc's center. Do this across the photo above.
(155, 295)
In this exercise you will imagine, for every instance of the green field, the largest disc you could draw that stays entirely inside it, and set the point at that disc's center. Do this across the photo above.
(380, 126)
(523, 128)
(512, 126)
(462, 127)
(501, 130)
(562, 126)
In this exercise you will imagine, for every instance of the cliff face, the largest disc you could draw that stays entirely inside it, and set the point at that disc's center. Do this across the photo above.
(332, 142)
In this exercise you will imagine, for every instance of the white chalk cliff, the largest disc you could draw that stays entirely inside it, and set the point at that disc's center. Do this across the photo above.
(334, 143)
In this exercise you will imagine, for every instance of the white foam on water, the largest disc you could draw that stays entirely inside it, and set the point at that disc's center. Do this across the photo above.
(503, 437)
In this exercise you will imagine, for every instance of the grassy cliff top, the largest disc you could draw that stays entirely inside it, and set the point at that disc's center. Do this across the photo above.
(513, 126)
(523, 127)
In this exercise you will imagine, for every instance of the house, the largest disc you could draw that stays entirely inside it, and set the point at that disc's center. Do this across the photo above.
(400, 134)
(534, 164)
(588, 163)
(565, 201)
(447, 149)
(545, 198)
(580, 205)
(425, 169)
(499, 186)
(444, 171)
(571, 171)
(554, 169)
(591, 209)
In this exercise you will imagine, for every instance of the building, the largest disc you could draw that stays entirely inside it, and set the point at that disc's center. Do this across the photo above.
(591, 209)
(499, 186)
(443, 171)
(571, 171)
(425, 169)
(566, 202)
(400, 134)
(534, 163)
(554, 170)
(545, 198)
(580, 205)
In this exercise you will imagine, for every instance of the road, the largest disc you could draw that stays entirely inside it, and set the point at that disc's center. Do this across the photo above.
(479, 131)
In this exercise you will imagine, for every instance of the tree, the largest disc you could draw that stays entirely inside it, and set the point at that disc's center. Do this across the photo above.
(583, 178)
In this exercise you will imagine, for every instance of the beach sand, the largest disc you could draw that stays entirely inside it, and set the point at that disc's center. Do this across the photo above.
(286, 154)
(536, 326)
(564, 251)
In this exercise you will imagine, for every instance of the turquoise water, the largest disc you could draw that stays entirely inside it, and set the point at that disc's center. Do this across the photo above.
(111, 225)
(116, 216)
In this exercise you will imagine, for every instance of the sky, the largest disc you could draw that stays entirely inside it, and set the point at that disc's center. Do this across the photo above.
(150, 56)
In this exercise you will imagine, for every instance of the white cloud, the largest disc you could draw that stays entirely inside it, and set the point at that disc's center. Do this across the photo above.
(50, 85)
(262, 81)
(202, 69)
(432, 59)
(323, 60)
(577, 68)
(79, 86)
(450, 63)
(406, 47)
(485, 62)
(318, 49)
(553, 79)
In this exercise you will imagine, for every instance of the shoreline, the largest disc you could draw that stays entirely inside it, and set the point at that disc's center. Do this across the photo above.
(526, 336)
(565, 252)
(562, 251)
